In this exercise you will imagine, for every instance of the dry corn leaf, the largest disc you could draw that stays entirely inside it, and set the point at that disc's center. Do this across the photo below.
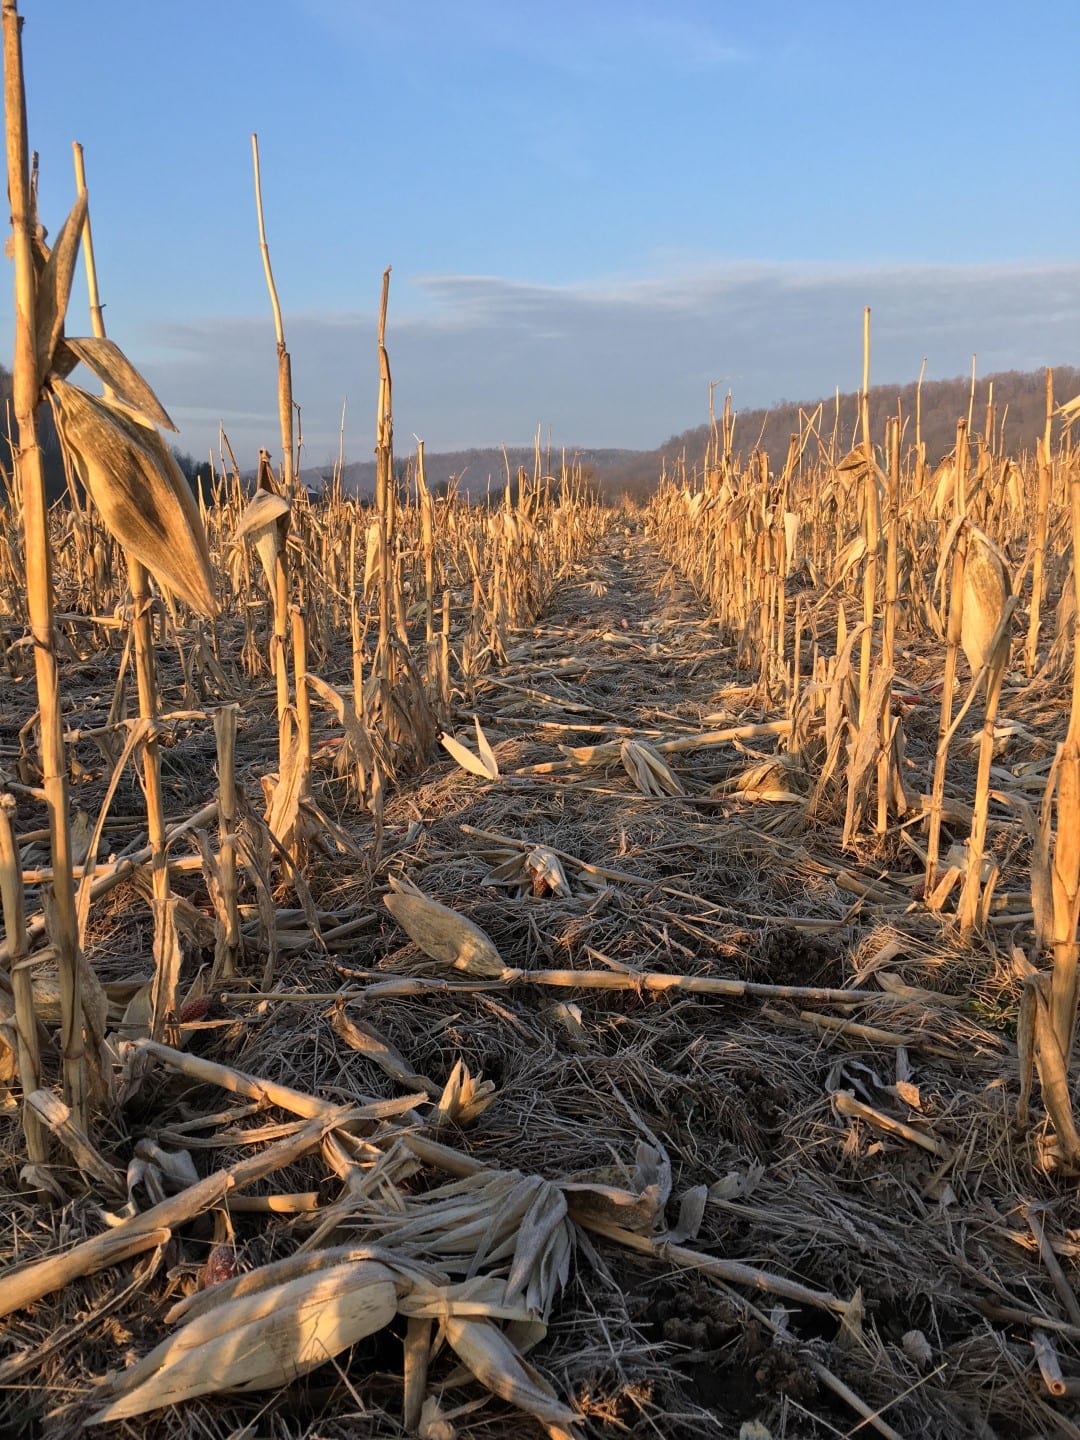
(463, 1099)
(54, 287)
(487, 755)
(113, 368)
(496, 1363)
(442, 933)
(348, 719)
(284, 799)
(142, 497)
(649, 772)
(261, 1341)
(372, 558)
(474, 764)
(263, 522)
(846, 561)
(1065, 868)
(481, 1297)
(8, 1044)
(539, 1237)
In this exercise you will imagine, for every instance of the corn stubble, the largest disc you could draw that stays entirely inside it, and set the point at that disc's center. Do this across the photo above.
(924, 557)
(817, 574)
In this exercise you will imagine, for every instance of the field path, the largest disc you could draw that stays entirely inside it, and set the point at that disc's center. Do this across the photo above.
(736, 1096)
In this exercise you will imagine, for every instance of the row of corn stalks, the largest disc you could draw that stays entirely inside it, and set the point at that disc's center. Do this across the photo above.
(831, 574)
(258, 592)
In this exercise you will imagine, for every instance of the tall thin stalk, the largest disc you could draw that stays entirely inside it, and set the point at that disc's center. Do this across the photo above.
(164, 994)
(1042, 525)
(26, 395)
(886, 787)
(384, 510)
(871, 525)
(1065, 873)
(285, 394)
(13, 913)
(952, 639)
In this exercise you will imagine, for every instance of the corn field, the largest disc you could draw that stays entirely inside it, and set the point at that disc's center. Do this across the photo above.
(530, 965)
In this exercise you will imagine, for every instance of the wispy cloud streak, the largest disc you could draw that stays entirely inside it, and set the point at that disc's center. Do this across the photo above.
(484, 359)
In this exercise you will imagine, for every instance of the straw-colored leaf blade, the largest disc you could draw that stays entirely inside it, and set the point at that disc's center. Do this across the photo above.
(1065, 871)
(142, 497)
(487, 755)
(347, 718)
(263, 510)
(113, 368)
(54, 287)
(284, 803)
(495, 1362)
(474, 764)
(537, 1234)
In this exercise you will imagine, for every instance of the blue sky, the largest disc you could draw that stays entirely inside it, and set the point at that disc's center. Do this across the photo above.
(592, 209)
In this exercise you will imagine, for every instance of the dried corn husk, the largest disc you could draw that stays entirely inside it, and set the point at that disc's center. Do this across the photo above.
(487, 755)
(781, 778)
(602, 1193)
(491, 1223)
(261, 523)
(986, 589)
(463, 1099)
(649, 772)
(441, 932)
(546, 871)
(260, 1341)
(303, 1263)
(143, 499)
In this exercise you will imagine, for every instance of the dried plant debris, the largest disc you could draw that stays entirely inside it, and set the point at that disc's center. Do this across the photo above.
(618, 1066)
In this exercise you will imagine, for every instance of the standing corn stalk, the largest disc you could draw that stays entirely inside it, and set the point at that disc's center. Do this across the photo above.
(166, 951)
(1042, 526)
(285, 400)
(952, 638)
(984, 636)
(871, 527)
(13, 914)
(384, 513)
(1065, 871)
(40, 298)
(890, 779)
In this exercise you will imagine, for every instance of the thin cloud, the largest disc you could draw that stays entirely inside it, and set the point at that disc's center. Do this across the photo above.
(482, 359)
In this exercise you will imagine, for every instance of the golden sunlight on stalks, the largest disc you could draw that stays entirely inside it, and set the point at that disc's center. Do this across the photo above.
(514, 963)
(743, 535)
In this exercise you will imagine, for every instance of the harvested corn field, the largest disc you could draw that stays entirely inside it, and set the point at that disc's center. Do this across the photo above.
(713, 1119)
(530, 966)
